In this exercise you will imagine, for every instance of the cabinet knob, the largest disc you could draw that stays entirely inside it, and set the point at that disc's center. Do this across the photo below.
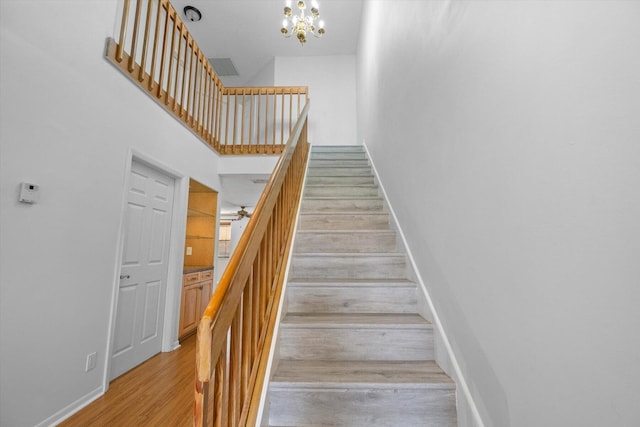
(124, 276)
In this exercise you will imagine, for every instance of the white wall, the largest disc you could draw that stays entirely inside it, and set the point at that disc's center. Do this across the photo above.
(264, 77)
(507, 137)
(69, 122)
(332, 91)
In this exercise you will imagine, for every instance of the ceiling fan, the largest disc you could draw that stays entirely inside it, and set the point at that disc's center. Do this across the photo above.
(242, 213)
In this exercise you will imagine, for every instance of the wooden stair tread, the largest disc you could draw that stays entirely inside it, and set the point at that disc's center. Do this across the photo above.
(360, 374)
(330, 198)
(355, 320)
(351, 255)
(351, 283)
(343, 231)
(341, 185)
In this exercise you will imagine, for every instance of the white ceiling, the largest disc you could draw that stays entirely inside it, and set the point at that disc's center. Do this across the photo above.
(248, 32)
(240, 190)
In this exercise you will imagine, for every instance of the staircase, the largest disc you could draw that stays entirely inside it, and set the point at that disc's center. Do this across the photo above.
(353, 351)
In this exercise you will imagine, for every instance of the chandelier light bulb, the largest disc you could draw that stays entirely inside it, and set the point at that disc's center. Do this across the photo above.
(301, 23)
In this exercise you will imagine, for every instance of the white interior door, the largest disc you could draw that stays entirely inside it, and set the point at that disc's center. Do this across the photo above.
(143, 271)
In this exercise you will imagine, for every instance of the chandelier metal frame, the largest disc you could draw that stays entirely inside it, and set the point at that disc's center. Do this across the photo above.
(302, 23)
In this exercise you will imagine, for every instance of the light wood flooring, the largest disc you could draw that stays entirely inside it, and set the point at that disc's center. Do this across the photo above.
(157, 393)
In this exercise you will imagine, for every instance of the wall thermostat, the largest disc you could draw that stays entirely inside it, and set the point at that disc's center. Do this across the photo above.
(29, 193)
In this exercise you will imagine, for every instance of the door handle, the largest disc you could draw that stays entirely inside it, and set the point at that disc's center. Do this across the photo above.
(124, 276)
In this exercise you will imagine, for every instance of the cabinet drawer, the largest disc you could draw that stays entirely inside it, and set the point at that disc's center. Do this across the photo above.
(206, 275)
(190, 279)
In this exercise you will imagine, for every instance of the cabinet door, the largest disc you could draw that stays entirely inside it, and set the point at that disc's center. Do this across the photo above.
(206, 295)
(191, 304)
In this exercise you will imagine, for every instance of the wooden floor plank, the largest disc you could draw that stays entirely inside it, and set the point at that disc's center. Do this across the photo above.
(157, 393)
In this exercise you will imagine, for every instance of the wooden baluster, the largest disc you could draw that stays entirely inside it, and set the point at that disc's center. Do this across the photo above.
(145, 42)
(247, 334)
(282, 119)
(196, 90)
(154, 50)
(164, 51)
(264, 279)
(290, 111)
(205, 99)
(235, 120)
(275, 96)
(123, 31)
(185, 66)
(251, 119)
(176, 83)
(219, 127)
(266, 120)
(258, 148)
(220, 388)
(235, 369)
(214, 119)
(210, 103)
(269, 265)
(226, 127)
(189, 88)
(170, 72)
(202, 106)
(255, 302)
(242, 122)
(134, 37)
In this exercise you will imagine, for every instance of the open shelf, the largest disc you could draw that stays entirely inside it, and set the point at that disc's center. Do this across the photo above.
(195, 213)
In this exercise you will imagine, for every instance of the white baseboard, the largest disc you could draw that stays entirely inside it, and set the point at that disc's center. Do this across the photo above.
(461, 383)
(71, 409)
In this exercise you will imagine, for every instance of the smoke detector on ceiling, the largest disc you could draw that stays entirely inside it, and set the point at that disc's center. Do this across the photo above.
(192, 13)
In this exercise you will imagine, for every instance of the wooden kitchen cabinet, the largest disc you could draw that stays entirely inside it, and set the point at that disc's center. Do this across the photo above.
(196, 293)
(200, 239)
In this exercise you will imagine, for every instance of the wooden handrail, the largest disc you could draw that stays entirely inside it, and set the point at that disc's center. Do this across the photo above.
(168, 65)
(235, 332)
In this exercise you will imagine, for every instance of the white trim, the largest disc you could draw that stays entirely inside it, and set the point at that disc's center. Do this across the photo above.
(72, 408)
(462, 383)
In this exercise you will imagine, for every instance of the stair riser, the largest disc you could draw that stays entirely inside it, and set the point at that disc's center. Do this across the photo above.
(339, 155)
(341, 205)
(345, 267)
(382, 343)
(341, 191)
(342, 171)
(340, 180)
(337, 148)
(344, 222)
(363, 299)
(338, 163)
(367, 407)
(345, 242)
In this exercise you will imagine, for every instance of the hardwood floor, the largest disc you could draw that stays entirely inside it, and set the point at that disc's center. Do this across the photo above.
(157, 393)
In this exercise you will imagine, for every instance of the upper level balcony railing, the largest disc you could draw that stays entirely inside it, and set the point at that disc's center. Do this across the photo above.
(155, 50)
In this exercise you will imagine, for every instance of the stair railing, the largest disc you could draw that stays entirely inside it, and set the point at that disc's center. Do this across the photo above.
(157, 52)
(235, 332)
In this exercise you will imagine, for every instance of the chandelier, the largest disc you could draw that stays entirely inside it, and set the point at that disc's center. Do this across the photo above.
(301, 24)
